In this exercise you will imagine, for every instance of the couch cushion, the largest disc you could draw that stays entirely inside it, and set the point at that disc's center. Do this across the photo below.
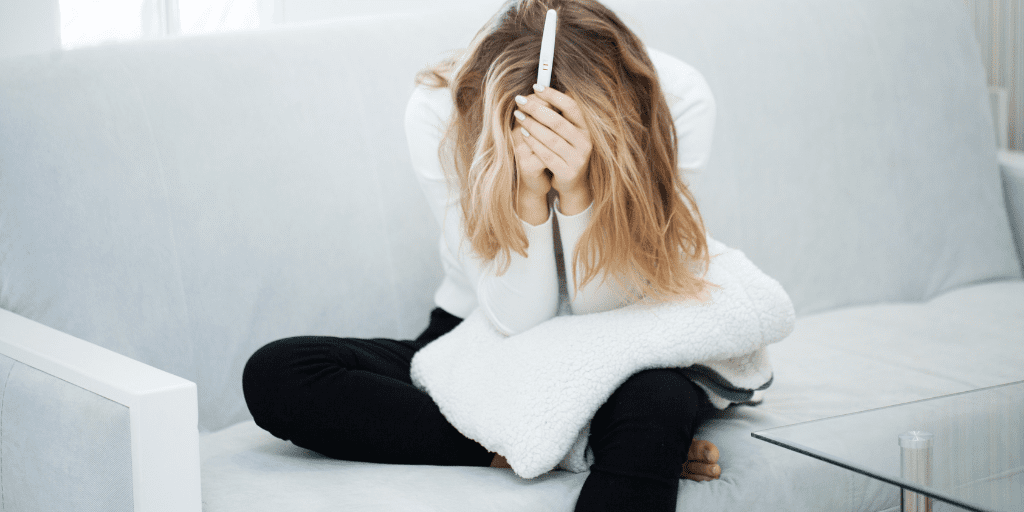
(834, 363)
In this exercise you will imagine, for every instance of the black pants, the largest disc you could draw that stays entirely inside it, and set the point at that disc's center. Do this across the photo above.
(353, 399)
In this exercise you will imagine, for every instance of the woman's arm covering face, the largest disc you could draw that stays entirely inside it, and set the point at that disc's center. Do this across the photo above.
(693, 113)
(527, 293)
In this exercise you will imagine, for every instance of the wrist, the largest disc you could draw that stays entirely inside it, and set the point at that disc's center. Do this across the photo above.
(574, 202)
(533, 208)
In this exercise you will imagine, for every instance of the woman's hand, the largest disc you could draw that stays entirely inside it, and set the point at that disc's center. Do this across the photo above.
(534, 181)
(550, 132)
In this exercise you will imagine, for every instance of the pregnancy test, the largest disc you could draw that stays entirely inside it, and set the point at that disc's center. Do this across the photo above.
(547, 49)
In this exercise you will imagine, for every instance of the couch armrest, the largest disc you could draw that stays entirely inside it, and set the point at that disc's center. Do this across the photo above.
(91, 429)
(1012, 165)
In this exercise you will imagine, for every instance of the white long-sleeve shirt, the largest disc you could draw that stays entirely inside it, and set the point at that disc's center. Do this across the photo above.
(528, 293)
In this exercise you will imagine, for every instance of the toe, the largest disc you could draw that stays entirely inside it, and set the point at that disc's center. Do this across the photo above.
(701, 469)
(702, 450)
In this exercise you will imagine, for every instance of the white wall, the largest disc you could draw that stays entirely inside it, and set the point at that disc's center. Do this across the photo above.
(29, 26)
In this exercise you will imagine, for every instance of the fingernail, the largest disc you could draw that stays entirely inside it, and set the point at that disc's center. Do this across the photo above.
(707, 454)
(538, 87)
(525, 133)
(519, 115)
(520, 100)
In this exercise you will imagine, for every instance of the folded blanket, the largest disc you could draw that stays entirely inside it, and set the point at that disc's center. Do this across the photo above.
(530, 396)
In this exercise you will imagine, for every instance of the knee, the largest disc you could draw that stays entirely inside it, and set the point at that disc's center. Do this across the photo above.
(659, 395)
(264, 365)
(268, 377)
(287, 356)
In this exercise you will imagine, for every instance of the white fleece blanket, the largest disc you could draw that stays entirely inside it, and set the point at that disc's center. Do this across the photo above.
(530, 396)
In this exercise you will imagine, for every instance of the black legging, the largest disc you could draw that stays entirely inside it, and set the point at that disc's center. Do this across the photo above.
(352, 399)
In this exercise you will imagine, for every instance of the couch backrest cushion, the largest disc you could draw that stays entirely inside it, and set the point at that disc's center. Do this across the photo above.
(185, 201)
(854, 158)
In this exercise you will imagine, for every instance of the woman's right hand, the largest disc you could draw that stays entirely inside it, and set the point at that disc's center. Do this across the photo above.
(534, 180)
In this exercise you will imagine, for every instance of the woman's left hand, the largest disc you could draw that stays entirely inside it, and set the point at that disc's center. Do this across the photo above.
(560, 139)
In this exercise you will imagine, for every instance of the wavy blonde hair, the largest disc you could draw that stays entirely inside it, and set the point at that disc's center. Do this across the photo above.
(645, 229)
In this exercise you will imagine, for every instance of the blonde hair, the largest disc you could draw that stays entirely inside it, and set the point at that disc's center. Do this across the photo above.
(645, 229)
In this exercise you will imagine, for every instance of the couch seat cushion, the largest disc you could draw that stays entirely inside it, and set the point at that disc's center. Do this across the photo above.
(834, 363)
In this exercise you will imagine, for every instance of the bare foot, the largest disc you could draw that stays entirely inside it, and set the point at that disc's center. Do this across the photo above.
(701, 462)
(499, 462)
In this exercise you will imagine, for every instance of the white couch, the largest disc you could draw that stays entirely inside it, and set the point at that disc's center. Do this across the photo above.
(182, 202)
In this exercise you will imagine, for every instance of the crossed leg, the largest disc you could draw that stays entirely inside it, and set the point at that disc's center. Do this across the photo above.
(701, 462)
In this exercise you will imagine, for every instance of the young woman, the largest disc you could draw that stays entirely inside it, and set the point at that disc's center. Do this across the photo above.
(531, 184)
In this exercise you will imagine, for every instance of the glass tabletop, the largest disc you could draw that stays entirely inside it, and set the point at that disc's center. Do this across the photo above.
(965, 449)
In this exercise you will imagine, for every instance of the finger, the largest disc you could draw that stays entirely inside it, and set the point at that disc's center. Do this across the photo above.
(518, 141)
(702, 468)
(570, 109)
(696, 478)
(538, 100)
(702, 450)
(551, 160)
(540, 111)
(553, 141)
(526, 158)
(518, 138)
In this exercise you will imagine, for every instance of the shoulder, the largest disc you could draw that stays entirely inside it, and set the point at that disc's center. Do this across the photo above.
(426, 119)
(428, 108)
(680, 81)
(692, 104)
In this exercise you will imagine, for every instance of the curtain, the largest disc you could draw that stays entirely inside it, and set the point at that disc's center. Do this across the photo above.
(999, 26)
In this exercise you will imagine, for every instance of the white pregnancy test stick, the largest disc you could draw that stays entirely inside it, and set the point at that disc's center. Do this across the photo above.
(547, 49)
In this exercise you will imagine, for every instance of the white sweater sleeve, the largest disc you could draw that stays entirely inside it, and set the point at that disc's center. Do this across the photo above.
(597, 296)
(693, 113)
(527, 293)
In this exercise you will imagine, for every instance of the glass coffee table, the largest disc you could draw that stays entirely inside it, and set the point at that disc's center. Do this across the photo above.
(958, 452)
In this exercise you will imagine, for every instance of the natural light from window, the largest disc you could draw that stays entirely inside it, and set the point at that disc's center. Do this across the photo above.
(89, 22)
(86, 22)
(202, 16)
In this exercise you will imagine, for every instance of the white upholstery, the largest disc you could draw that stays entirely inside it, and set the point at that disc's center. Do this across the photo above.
(83, 428)
(1012, 164)
(835, 362)
(212, 194)
(54, 431)
(183, 202)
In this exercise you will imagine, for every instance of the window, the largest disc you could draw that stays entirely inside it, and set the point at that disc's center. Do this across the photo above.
(201, 16)
(88, 22)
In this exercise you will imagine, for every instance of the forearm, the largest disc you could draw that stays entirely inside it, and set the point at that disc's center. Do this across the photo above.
(526, 294)
(533, 208)
(574, 201)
